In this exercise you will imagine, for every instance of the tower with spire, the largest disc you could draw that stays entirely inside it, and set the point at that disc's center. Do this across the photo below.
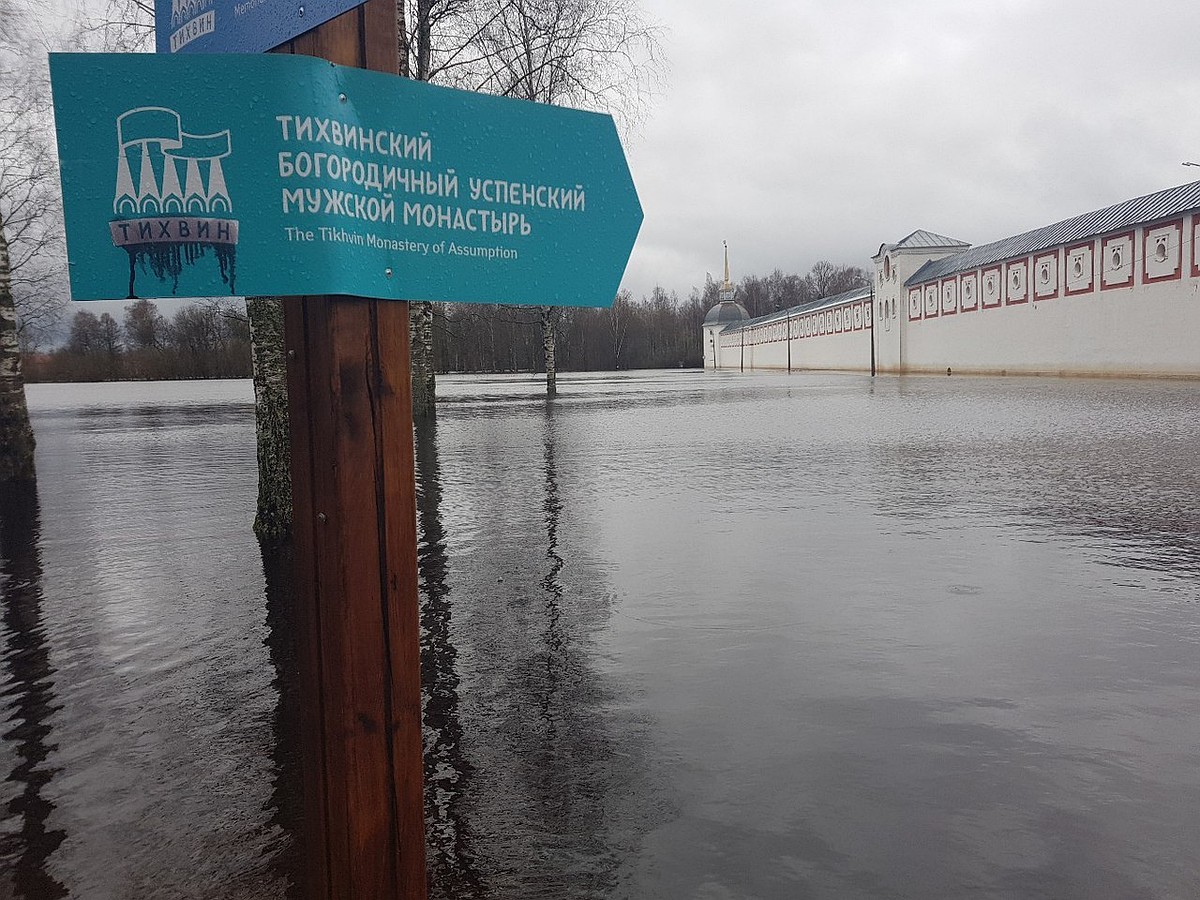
(727, 313)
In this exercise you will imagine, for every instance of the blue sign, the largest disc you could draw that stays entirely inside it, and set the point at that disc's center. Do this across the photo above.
(238, 26)
(280, 174)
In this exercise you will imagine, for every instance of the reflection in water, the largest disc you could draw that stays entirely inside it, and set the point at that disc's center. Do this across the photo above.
(711, 637)
(1134, 493)
(1126, 486)
(555, 708)
(285, 806)
(551, 753)
(29, 694)
(540, 774)
(554, 638)
(155, 623)
(450, 861)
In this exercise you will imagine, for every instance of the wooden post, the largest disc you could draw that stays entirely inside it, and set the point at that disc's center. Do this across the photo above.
(353, 495)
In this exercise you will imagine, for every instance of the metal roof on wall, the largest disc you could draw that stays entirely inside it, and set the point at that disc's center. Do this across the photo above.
(922, 239)
(803, 309)
(1150, 208)
(726, 311)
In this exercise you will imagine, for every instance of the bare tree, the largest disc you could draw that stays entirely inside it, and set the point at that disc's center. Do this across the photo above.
(87, 334)
(28, 231)
(145, 328)
(549, 319)
(125, 26)
(601, 55)
(110, 336)
(827, 279)
(16, 434)
(594, 54)
(618, 320)
(786, 291)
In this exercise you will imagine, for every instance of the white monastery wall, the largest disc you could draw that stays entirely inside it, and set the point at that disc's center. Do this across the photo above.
(835, 337)
(1125, 302)
(1119, 304)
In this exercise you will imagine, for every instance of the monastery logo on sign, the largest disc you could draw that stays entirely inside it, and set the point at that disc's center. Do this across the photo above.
(191, 19)
(171, 204)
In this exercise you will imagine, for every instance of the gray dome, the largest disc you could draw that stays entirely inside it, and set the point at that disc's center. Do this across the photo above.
(726, 311)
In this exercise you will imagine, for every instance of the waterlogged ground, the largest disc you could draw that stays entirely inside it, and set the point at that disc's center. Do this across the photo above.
(686, 636)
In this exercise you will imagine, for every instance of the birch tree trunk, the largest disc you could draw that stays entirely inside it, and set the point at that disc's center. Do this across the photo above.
(424, 377)
(548, 322)
(420, 46)
(16, 435)
(273, 520)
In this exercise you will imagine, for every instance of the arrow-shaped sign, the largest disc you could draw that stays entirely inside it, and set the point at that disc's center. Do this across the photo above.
(215, 175)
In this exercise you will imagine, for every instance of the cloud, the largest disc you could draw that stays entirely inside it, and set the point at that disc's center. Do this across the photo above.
(808, 130)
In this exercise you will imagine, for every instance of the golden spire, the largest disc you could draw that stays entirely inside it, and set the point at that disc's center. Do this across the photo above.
(725, 294)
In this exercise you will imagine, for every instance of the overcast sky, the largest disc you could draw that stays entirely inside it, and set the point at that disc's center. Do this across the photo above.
(811, 130)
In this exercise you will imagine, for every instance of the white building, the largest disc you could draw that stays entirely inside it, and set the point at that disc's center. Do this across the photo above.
(1110, 292)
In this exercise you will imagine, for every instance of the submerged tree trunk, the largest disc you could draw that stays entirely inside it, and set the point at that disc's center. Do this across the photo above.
(273, 521)
(16, 434)
(548, 322)
(424, 378)
(424, 382)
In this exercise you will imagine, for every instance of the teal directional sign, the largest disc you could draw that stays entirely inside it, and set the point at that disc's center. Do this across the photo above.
(216, 175)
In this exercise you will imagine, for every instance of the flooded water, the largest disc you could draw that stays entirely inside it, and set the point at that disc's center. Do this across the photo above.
(686, 636)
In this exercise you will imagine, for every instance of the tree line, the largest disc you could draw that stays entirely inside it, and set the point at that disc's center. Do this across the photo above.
(202, 340)
(655, 332)
(212, 339)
